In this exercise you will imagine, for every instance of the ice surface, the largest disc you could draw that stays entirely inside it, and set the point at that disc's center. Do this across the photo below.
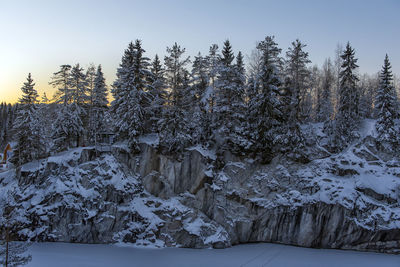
(63, 254)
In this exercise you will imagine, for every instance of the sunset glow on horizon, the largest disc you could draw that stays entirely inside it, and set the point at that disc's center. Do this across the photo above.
(39, 36)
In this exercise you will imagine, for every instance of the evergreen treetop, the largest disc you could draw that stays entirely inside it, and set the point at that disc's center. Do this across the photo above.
(385, 105)
(29, 93)
(61, 80)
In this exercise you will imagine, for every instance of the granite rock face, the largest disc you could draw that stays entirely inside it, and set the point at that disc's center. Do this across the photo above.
(348, 200)
(78, 197)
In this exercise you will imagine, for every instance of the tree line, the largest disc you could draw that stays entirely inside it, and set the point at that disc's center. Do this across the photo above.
(212, 100)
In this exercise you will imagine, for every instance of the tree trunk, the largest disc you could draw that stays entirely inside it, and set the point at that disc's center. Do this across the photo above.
(7, 240)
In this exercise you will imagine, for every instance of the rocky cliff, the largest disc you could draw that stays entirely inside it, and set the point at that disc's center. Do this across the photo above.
(348, 200)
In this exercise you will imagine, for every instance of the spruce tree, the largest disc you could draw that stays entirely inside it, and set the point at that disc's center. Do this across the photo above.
(90, 76)
(46, 117)
(158, 94)
(200, 75)
(67, 128)
(298, 77)
(79, 107)
(213, 65)
(99, 104)
(266, 115)
(131, 94)
(12, 112)
(238, 136)
(295, 97)
(2, 122)
(385, 105)
(70, 95)
(225, 92)
(200, 115)
(7, 115)
(12, 253)
(29, 137)
(229, 108)
(61, 80)
(175, 132)
(29, 94)
(347, 117)
(45, 99)
(79, 86)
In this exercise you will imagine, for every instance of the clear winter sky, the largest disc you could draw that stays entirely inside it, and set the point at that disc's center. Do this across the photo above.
(38, 36)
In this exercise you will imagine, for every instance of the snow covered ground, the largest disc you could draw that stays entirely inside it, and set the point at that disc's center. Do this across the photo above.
(63, 254)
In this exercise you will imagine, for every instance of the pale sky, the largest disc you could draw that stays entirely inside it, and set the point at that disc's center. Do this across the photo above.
(38, 36)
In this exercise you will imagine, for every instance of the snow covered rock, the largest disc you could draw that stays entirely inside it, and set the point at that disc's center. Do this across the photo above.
(349, 200)
(75, 196)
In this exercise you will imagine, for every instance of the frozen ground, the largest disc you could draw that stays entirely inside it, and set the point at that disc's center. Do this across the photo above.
(63, 254)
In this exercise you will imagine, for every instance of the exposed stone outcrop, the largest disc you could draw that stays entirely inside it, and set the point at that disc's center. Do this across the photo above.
(349, 200)
(316, 205)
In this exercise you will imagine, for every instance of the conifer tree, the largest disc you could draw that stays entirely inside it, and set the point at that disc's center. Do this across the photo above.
(295, 97)
(225, 92)
(99, 104)
(68, 125)
(79, 86)
(131, 94)
(298, 75)
(158, 93)
(8, 115)
(200, 75)
(11, 253)
(175, 133)
(347, 117)
(385, 105)
(238, 136)
(46, 117)
(90, 76)
(45, 99)
(200, 116)
(61, 80)
(338, 61)
(79, 107)
(229, 109)
(67, 129)
(266, 115)
(3, 119)
(213, 65)
(30, 144)
(29, 94)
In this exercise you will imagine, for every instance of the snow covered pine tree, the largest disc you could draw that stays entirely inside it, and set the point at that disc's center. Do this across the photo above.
(295, 98)
(68, 125)
(12, 253)
(266, 116)
(175, 129)
(385, 105)
(229, 102)
(347, 118)
(99, 104)
(131, 94)
(29, 137)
